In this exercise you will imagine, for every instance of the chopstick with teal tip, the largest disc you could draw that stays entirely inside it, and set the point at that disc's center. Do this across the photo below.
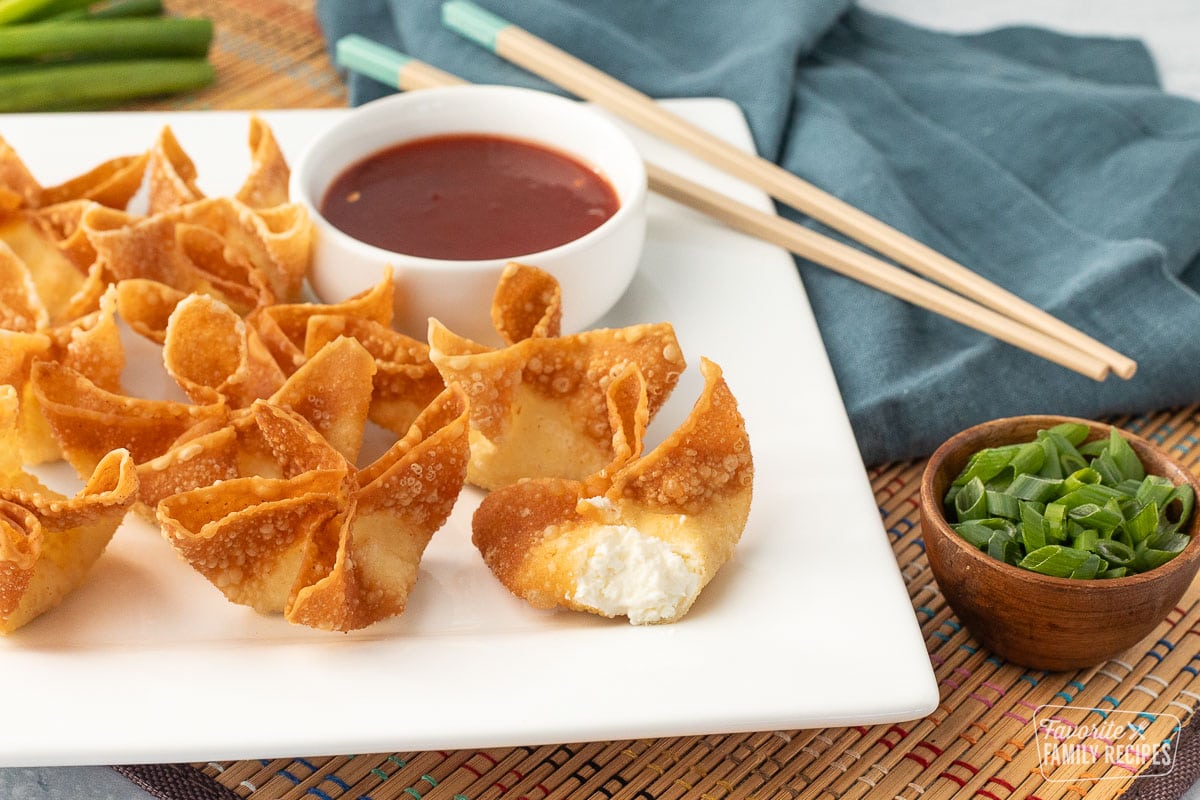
(568, 72)
(388, 66)
(406, 73)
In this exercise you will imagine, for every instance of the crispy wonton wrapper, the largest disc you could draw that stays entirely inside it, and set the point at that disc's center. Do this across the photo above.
(210, 351)
(327, 545)
(643, 536)
(538, 406)
(49, 542)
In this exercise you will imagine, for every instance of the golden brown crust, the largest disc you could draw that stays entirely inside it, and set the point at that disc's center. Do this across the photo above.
(538, 406)
(527, 304)
(691, 495)
(266, 185)
(405, 381)
(49, 542)
(210, 351)
(172, 174)
(88, 421)
(327, 545)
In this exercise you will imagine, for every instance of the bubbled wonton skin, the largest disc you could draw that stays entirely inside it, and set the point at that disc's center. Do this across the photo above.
(49, 542)
(252, 467)
(538, 405)
(305, 533)
(641, 537)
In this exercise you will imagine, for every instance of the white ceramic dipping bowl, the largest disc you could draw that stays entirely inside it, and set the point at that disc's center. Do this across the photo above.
(593, 270)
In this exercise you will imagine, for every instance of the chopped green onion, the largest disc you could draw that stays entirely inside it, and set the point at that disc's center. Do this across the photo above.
(1055, 559)
(1034, 487)
(1033, 533)
(971, 501)
(1003, 547)
(986, 464)
(1063, 506)
(1114, 552)
(1003, 505)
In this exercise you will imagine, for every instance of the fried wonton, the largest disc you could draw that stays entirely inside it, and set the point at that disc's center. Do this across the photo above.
(538, 405)
(49, 542)
(173, 174)
(643, 536)
(405, 382)
(63, 289)
(327, 545)
(266, 186)
(111, 183)
(405, 379)
(210, 351)
(284, 326)
(88, 421)
(90, 345)
(18, 187)
(333, 392)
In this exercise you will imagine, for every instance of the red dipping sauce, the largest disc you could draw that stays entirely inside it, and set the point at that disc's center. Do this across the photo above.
(468, 196)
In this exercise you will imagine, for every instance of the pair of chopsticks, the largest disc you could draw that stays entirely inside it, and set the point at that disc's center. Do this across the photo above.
(981, 305)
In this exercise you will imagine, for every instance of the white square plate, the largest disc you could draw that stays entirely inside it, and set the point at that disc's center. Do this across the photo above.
(809, 625)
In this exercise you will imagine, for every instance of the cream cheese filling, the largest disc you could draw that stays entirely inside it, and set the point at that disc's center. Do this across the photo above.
(629, 573)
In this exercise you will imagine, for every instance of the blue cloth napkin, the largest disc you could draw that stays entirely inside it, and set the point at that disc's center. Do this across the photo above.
(1052, 165)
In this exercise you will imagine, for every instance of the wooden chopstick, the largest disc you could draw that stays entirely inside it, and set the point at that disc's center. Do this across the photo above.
(540, 57)
(407, 73)
(865, 268)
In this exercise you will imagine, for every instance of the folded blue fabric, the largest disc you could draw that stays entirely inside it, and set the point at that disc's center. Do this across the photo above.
(1052, 165)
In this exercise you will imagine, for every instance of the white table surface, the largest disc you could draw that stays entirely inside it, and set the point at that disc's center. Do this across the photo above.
(1170, 28)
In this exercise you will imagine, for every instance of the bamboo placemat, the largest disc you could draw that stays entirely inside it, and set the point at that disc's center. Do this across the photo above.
(981, 741)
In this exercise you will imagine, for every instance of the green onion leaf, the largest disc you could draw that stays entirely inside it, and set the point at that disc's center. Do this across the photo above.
(1035, 487)
(1114, 552)
(1000, 504)
(1124, 457)
(1054, 559)
(1102, 519)
(1033, 534)
(971, 501)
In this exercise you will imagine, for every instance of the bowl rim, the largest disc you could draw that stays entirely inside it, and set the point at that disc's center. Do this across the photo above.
(1188, 559)
(630, 206)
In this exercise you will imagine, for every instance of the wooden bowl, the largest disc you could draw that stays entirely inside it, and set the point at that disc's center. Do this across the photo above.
(1036, 620)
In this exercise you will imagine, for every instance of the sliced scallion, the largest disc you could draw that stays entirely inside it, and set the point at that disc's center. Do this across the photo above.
(1071, 508)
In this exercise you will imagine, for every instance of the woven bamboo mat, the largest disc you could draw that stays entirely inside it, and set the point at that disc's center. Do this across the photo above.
(982, 740)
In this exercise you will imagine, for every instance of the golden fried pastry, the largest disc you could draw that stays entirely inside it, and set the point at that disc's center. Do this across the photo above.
(20, 307)
(172, 175)
(49, 542)
(538, 406)
(266, 186)
(90, 344)
(146, 306)
(397, 504)
(405, 382)
(88, 421)
(284, 326)
(274, 242)
(210, 351)
(18, 187)
(333, 392)
(327, 545)
(111, 183)
(643, 536)
(63, 290)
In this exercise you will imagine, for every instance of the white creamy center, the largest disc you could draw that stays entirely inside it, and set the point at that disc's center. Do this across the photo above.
(636, 575)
